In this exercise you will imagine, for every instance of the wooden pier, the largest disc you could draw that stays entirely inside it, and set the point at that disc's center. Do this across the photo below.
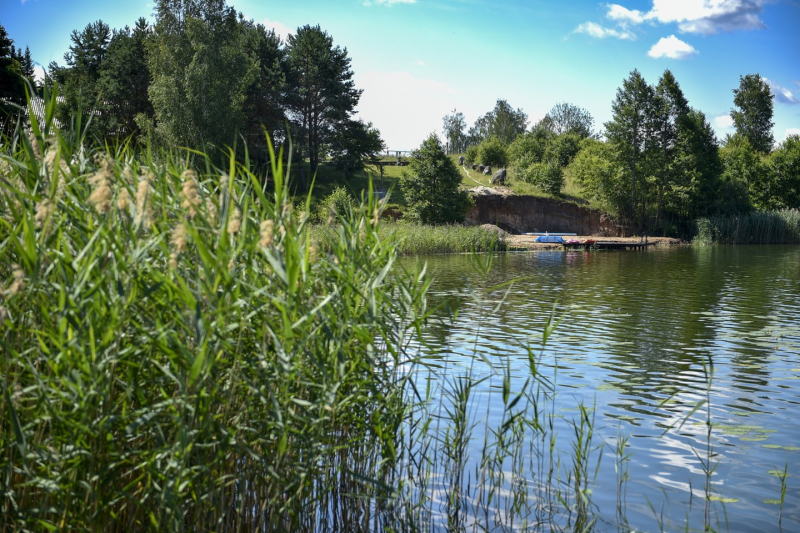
(607, 245)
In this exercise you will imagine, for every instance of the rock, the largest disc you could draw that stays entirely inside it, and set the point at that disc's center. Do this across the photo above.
(462, 160)
(480, 168)
(499, 177)
(474, 166)
(500, 232)
(487, 171)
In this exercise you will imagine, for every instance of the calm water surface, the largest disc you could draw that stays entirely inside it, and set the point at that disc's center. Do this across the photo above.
(640, 334)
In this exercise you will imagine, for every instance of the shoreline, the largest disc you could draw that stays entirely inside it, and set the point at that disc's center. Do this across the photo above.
(528, 242)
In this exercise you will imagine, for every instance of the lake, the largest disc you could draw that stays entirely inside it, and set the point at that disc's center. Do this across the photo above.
(653, 344)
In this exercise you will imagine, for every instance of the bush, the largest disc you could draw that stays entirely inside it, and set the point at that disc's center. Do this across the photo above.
(492, 152)
(339, 202)
(546, 176)
(472, 154)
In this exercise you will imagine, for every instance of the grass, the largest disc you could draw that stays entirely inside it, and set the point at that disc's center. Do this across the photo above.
(771, 227)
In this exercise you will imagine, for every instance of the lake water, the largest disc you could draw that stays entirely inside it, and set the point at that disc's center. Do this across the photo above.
(641, 333)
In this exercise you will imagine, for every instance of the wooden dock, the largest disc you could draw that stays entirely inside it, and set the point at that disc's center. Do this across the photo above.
(607, 245)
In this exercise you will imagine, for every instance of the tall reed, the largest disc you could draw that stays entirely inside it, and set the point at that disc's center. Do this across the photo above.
(770, 227)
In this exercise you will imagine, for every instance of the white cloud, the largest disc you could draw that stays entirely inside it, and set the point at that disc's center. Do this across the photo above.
(599, 32)
(789, 131)
(723, 122)
(405, 109)
(671, 47)
(782, 94)
(697, 16)
(280, 30)
(419, 63)
(624, 15)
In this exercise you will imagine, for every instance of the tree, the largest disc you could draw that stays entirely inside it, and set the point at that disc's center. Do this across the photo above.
(11, 84)
(431, 187)
(354, 143)
(27, 65)
(264, 109)
(628, 132)
(698, 170)
(324, 93)
(124, 81)
(785, 165)
(79, 80)
(569, 118)
(601, 176)
(201, 73)
(743, 169)
(453, 127)
(668, 110)
(752, 117)
(502, 122)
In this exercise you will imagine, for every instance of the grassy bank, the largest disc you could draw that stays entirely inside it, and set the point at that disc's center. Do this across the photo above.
(407, 238)
(773, 227)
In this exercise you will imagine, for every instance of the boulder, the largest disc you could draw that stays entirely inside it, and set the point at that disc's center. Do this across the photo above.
(480, 168)
(487, 171)
(499, 177)
(474, 166)
(462, 160)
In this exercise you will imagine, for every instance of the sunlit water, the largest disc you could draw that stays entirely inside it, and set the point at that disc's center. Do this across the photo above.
(641, 334)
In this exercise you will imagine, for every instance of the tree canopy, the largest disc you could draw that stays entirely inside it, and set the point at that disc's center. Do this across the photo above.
(752, 115)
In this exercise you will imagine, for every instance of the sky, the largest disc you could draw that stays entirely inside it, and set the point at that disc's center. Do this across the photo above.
(419, 60)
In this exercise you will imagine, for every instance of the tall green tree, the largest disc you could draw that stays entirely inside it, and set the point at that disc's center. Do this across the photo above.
(569, 118)
(669, 109)
(752, 116)
(124, 81)
(27, 66)
(201, 73)
(264, 106)
(11, 84)
(431, 186)
(698, 189)
(355, 144)
(323, 92)
(629, 132)
(785, 165)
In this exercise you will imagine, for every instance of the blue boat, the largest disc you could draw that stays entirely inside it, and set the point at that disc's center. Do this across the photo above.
(551, 238)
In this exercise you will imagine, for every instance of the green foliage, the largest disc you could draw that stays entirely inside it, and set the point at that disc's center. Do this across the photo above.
(454, 128)
(177, 354)
(547, 176)
(12, 87)
(324, 94)
(569, 118)
(784, 163)
(601, 178)
(410, 238)
(745, 168)
(492, 152)
(562, 149)
(766, 227)
(339, 203)
(431, 187)
(353, 143)
(531, 145)
(502, 122)
(752, 116)
(197, 50)
(472, 154)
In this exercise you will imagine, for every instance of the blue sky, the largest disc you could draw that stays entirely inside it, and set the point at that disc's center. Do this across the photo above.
(417, 60)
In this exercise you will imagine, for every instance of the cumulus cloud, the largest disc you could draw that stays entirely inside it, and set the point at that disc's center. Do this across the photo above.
(405, 108)
(600, 32)
(790, 131)
(280, 30)
(696, 16)
(38, 74)
(782, 94)
(624, 15)
(723, 122)
(671, 47)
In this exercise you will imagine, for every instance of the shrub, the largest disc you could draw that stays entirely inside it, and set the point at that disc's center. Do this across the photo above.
(492, 152)
(339, 202)
(472, 154)
(546, 176)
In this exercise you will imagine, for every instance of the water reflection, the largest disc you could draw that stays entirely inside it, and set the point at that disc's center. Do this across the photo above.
(642, 333)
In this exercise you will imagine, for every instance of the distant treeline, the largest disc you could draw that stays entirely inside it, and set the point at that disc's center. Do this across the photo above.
(657, 164)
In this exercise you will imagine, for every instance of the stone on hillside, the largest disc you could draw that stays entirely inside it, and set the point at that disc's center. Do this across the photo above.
(487, 171)
(462, 160)
(499, 177)
(480, 168)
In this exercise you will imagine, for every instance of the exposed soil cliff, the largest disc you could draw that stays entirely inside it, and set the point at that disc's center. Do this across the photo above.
(521, 214)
